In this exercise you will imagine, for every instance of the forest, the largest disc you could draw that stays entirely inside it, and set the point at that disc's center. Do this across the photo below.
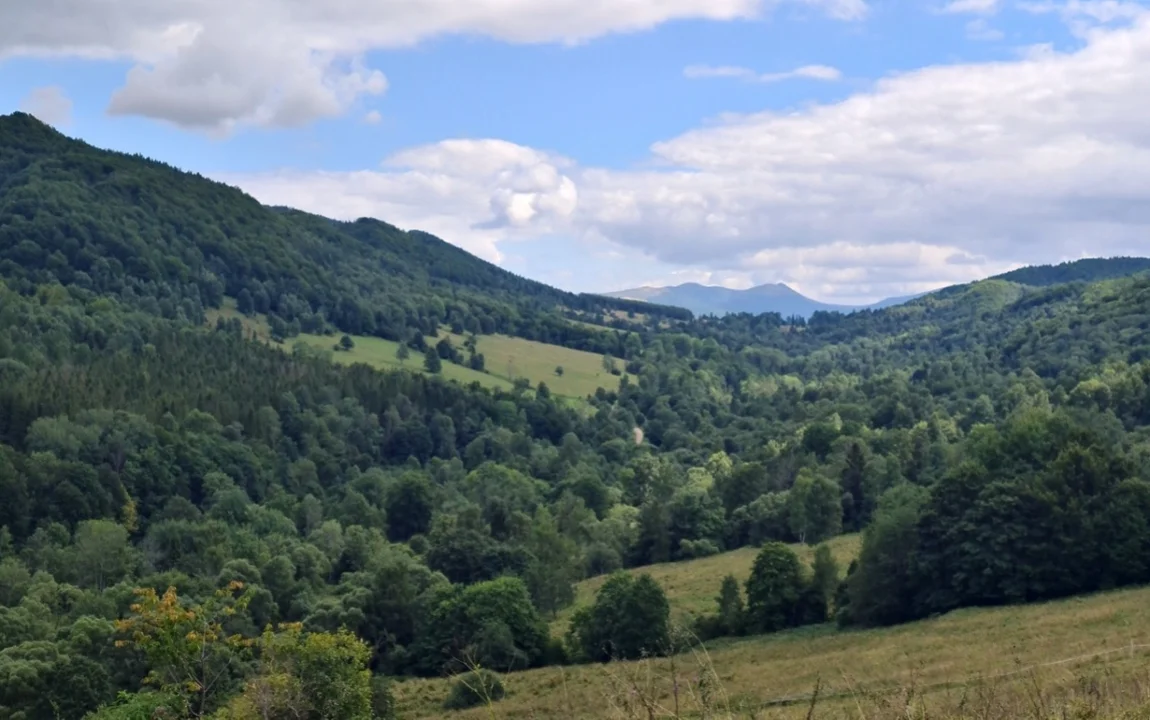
(221, 527)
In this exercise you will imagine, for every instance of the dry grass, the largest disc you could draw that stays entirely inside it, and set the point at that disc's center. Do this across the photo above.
(968, 664)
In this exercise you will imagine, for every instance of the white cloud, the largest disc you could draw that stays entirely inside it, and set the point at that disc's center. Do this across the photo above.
(373, 117)
(808, 72)
(934, 176)
(49, 104)
(219, 64)
(979, 29)
(985, 7)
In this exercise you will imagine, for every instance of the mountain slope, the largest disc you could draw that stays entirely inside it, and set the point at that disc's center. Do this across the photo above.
(1085, 270)
(715, 300)
(174, 243)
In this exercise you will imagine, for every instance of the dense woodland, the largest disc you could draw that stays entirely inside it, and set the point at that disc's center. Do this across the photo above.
(193, 520)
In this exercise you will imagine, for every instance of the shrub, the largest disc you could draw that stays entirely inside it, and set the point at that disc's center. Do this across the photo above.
(480, 687)
(690, 549)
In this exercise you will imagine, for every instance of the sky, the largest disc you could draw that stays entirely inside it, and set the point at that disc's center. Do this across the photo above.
(853, 149)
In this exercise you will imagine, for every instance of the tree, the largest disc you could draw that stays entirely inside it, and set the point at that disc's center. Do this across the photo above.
(402, 353)
(854, 473)
(814, 507)
(731, 618)
(559, 370)
(775, 589)
(409, 505)
(551, 572)
(881, 590)
(346, 343)
(492, 623)
(431, 361)
(190, 655)
(314, 676)
(629, 620)
(445, 350)
(825, 574)
(103, 554)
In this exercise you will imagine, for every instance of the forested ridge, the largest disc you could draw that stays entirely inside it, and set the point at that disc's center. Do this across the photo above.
(221, 527)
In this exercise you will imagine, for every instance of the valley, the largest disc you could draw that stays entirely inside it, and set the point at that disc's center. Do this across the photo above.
(224, 494)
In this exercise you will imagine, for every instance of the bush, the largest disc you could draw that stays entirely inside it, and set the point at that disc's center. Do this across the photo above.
(473, 689)
(629, 620)
(691, 549)
(382, 699)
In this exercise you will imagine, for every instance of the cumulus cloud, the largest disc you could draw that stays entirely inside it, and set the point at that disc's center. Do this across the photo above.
(808, 72)
(935, 176)
(219, 64)
(49, 104)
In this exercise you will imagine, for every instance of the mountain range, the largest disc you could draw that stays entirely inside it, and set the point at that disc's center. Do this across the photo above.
(780, 298)
(717, 300)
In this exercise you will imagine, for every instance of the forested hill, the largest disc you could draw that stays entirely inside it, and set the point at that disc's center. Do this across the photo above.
(1085, 270)
(991, 441)
(175, 243)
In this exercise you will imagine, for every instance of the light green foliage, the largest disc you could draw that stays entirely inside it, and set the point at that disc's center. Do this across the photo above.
(814, 507)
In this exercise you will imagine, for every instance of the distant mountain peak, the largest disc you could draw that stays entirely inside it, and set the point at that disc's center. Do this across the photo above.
(718, 300)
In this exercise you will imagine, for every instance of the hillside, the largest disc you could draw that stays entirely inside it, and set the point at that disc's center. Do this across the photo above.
(1086, 270)
(177, 242)
(716, 300)
(692, 585)
(1086, 655)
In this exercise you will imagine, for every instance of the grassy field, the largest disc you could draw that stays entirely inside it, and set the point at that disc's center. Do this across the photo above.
(507, 358)
(1033, 661)
(512, 357)
(380, 353)
(693, 585)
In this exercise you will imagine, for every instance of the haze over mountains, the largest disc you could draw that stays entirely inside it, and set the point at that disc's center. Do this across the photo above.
(780, 298)
(718, 300)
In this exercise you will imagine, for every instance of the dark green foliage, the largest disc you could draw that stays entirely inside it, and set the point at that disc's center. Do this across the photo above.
(629, 620)
(382, 699)
(1085, 270)
(776, 590)
(990, 439)
(474, 689)
(491, 623)
(731, 619)
(824, 575)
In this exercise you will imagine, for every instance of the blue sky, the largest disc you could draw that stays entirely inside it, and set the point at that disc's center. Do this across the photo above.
(852, 149)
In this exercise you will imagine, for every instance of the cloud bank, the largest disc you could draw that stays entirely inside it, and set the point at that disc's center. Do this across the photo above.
(930, 177)
(216, 65)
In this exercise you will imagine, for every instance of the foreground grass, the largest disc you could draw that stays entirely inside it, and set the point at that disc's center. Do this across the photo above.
(693, 585)
(507, 358)
(1033, 661)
